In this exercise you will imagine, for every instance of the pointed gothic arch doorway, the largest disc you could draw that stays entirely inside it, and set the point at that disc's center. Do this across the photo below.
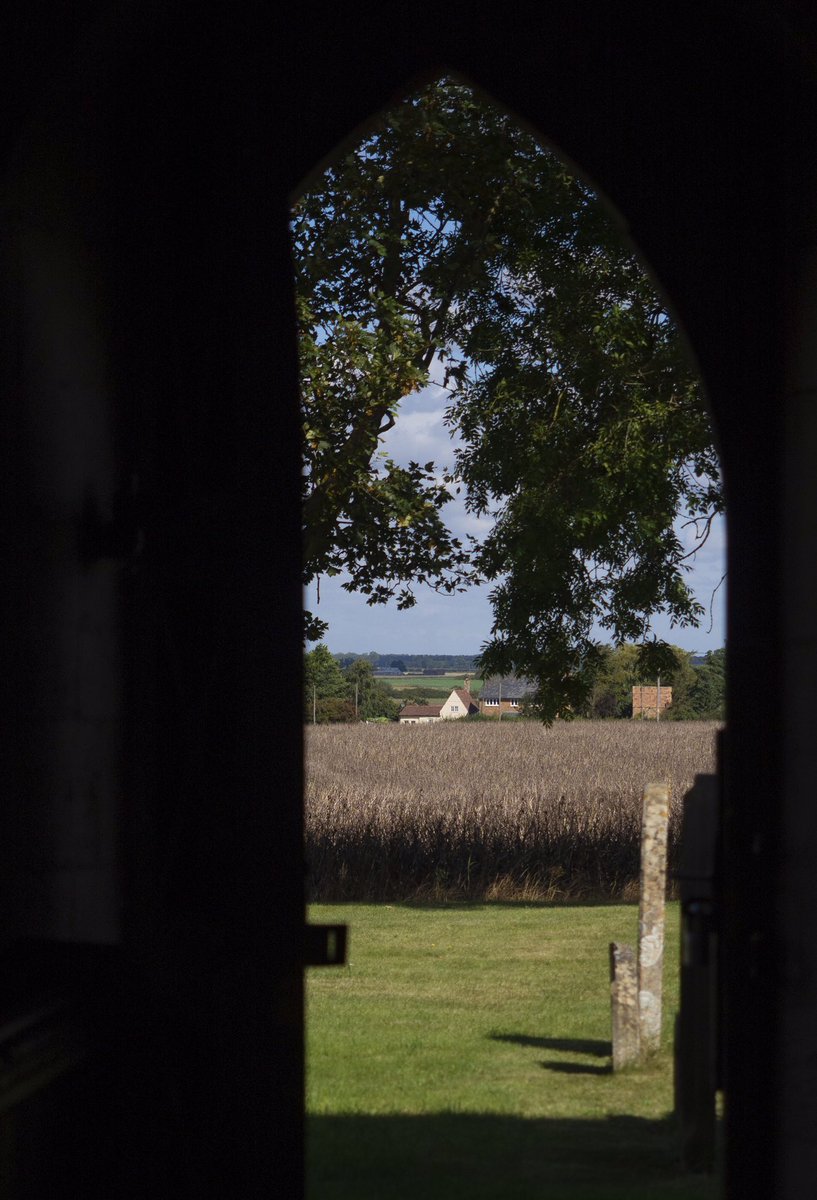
(689, 120)
(344, 237)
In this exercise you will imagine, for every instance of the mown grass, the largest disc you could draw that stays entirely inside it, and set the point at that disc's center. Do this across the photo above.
(463, 1054)
(490, 812)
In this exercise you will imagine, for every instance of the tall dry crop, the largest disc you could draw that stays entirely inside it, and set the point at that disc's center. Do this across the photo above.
(460, 810)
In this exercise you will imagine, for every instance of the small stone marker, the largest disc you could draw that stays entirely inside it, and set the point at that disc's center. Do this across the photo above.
(624, 1006)
(651, 909)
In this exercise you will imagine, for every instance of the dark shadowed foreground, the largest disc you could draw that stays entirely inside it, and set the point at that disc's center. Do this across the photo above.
(476, 811)
(458, 1156)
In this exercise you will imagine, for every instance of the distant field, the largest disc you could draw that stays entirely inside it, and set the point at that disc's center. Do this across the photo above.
(430, 684)
(509, 811)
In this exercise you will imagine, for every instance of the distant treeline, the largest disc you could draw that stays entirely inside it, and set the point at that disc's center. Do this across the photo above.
(412, 662)
(342, 687)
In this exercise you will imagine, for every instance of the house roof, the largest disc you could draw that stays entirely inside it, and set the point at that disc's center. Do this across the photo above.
(467, 699)
(421, 710)
(508, 687)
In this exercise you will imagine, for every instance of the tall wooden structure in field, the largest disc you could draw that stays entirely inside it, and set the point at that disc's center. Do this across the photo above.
(650, 703)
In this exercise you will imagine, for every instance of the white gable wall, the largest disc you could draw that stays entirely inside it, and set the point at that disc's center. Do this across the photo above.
(454, 708)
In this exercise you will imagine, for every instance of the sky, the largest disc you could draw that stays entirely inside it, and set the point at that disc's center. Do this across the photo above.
(461, 624)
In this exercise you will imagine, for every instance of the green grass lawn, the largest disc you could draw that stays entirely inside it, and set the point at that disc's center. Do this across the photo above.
(463, 1052)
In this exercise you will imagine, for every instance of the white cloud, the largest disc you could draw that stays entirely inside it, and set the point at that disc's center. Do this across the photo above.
(464, 524)
(419, 432)
(418, 435)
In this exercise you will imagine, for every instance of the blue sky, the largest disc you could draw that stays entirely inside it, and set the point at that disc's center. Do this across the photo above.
(461, 624)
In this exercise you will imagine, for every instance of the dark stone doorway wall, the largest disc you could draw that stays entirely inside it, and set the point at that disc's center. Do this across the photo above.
(151, 583)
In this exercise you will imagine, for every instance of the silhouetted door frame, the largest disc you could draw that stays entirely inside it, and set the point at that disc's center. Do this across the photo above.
(159, 161)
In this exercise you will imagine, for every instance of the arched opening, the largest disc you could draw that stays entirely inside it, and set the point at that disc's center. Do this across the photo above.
(347, 225)
(205, 127)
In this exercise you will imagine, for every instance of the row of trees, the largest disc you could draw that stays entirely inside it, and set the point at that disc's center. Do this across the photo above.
(412, 662)
(350, 693)
(336, 693)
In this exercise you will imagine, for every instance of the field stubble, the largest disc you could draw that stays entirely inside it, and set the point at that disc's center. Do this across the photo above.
(512, 811)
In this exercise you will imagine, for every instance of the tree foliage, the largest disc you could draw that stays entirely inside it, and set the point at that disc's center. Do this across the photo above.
(698, 689)
(351, 693)
(371, 696)
(325, 689)
(705, 699)
(451, 240)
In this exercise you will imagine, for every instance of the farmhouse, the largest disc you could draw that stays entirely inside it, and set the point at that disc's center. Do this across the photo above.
(420, 714)
(503, 695)
(459, 704)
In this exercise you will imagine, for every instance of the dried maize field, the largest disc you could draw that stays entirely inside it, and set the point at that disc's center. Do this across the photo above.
(477, 811)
